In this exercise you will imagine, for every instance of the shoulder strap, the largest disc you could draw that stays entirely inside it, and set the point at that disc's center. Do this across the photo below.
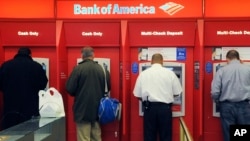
(106, 86)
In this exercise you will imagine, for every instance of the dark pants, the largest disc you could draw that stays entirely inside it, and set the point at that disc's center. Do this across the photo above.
(233, 113)
(158, 119)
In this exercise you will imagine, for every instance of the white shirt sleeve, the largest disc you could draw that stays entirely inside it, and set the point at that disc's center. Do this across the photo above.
(177, 88)
(137, 89)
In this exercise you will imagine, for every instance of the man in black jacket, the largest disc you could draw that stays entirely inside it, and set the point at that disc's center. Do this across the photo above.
(21, 78)
(86, 84)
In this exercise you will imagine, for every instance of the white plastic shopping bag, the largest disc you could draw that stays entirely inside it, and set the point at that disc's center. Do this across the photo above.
(51, 103)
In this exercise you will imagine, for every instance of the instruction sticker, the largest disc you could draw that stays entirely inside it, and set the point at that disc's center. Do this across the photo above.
(209, 67)
(135, 67)
(181, 54)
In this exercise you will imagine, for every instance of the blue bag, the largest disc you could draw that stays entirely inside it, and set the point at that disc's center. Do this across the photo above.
(109, 110)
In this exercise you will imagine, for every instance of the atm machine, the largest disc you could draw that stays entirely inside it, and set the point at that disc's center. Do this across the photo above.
(105, 42)
(215, 58)
(178, 107)
(177, 52)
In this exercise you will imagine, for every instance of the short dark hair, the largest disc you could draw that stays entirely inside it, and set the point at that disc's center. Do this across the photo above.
(233, 54)
(157, 57)
(87, 52)
(24, 51)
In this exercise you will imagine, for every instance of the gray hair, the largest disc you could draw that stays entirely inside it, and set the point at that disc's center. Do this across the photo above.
(87, 52)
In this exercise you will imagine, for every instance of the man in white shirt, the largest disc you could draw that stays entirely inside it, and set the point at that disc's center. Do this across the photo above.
(156, 87)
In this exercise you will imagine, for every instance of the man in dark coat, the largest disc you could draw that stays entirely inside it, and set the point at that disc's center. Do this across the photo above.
(20, 80)
(87, 84)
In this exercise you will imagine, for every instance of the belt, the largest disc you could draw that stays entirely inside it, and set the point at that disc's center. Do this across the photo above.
(247, 100)
(160, 104)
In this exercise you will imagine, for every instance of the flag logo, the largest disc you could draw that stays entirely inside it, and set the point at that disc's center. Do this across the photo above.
(171, 8)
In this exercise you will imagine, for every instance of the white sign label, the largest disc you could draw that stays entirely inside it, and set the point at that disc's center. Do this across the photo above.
(94, 33)
(161, 33)
(27, 33)
(232, 32)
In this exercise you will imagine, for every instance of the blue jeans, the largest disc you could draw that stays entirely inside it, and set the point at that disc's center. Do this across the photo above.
(232, 113)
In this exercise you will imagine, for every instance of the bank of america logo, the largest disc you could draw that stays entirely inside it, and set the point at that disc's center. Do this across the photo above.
(171, 8)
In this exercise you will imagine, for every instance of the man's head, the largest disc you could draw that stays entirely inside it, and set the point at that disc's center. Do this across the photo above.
(157, 58)
(232, 55)
(87, 53)
(24, 51)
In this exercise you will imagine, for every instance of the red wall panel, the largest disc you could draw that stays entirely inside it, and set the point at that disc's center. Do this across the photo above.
(95, 34)
(212, 125)
(227, 8)
(162, 33)
(227, 33)
(28, 33)
(27, 9)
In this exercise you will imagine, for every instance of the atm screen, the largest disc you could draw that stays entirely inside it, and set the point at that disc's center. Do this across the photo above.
(168, 67)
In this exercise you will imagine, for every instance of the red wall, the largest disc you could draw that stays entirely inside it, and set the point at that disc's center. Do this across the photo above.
(35, 33)
(212, 125)
(27, 9)
(226, 9)
(227, 33)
